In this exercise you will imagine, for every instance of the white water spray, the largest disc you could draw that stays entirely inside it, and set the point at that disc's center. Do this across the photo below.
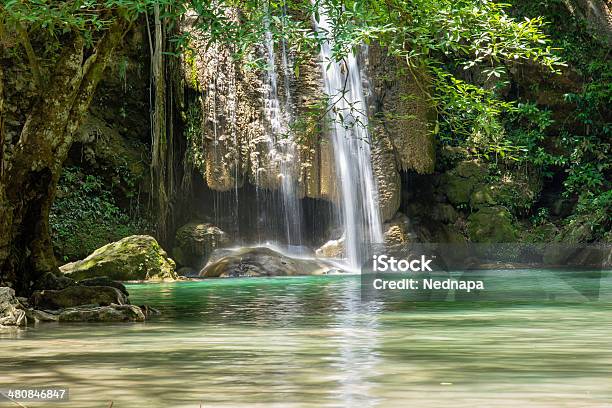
(351, 140)
(281, 146)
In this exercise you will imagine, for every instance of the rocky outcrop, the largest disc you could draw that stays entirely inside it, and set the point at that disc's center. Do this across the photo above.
(195, 242)
(231, 145)
(397, 231)
(459, 183)
(91, 300)
(110, 313)
(401, 115)
(104, 281)
(386, 175)
(262, 261)
(491, 225)
(597, 13)
(137, 257)
(77, 296)
(333, 248)
(402, 110)
(230, 142)
(54, 282)
(11, 310)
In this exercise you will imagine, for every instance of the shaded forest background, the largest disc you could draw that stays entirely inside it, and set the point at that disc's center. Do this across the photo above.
(540, 172)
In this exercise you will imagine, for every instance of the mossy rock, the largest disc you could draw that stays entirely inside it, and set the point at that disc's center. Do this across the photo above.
(483, 196)
(111, 313)
(11, 313)
(471, 169)
(490, 225)
(262, 261)
(458, 189)
(444, 213)
(459, 183)
(77, 296)
(195, 242)
(137, 257)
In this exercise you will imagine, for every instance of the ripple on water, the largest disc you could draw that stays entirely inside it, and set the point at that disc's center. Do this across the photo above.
(311, 342)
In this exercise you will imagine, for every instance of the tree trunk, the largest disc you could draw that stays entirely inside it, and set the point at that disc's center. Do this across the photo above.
(30, 176)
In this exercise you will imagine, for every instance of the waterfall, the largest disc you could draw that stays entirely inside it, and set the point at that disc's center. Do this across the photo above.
(281, 146)
(360, 213)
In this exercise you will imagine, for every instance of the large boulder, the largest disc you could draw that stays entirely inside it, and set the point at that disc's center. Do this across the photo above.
(491, 225)
(195, 242)
(262, 261)
(137, 257)
(11, 311)
(77, 296)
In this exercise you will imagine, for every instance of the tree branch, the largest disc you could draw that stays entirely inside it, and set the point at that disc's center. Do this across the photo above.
(33, 60)
(93, 68)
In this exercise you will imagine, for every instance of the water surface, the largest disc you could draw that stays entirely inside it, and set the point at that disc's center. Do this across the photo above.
(311, 342)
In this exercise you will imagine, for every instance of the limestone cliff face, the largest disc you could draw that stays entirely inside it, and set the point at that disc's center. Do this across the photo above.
(234, 141)
(402, 110)
(597, 13)
(401, 116)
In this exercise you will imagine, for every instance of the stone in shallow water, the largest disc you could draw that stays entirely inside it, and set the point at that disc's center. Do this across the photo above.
(36, 316)
(110, 313)
(11, 313)
(76, 296)
(262, 261)
(137, 257)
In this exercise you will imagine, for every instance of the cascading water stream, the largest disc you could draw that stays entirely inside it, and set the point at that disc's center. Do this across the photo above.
(360, 213)
(282, 151)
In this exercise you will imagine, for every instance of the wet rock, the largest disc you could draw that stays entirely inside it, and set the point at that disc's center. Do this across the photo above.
(332, 249)
(11, 310)
(149, 311)
(195, 242)
(459, 183)
(187, 272)
(471, 169)
(262, 261)
(387, 177)
(482, 196)
(104, 281)
(110, 313)
(77, 296)
(37, 316)
(491, 225)
(51, 281)
(444, 213)
(137, 257)
(397, 231)
(458, 189)
(405, 121)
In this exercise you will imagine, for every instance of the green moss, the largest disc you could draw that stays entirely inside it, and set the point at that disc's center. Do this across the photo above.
(492, 225)
(85, 215)
(137, 257)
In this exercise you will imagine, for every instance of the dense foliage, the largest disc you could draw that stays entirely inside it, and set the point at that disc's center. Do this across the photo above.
(575, 141)
(86, 215)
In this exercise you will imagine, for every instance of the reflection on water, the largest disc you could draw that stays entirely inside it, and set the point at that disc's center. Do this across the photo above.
(311, 342)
